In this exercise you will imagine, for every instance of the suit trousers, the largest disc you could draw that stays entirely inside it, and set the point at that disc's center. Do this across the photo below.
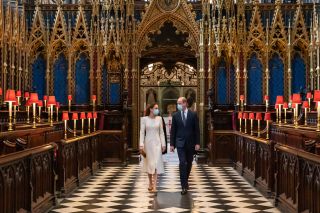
(185, 164)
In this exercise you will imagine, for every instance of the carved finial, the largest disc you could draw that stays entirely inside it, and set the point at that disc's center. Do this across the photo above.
(255, 2)
(278, 2)
(59, 3)
(37, 3)
(82, 2)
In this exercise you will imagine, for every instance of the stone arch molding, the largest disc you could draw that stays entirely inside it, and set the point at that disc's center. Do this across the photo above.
(181, 17)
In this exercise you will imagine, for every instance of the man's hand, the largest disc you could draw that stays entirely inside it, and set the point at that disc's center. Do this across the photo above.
(197, 147)
(164, 148)
(171, 148)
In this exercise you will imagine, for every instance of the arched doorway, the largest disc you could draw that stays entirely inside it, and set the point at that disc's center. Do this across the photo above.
(168, 39)
(168, 66)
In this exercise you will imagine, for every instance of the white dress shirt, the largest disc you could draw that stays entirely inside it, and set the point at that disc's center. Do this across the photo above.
(185, 114)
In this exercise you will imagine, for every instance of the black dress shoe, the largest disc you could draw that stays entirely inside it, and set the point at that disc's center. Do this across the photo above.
(184, 191)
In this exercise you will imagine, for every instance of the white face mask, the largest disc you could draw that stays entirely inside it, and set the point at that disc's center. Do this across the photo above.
(179, 107)
(156, 112)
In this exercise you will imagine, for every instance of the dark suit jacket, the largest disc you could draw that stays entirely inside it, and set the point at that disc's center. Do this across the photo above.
(185, 136)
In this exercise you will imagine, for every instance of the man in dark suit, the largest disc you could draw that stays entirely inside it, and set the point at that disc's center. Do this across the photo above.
(185, 136)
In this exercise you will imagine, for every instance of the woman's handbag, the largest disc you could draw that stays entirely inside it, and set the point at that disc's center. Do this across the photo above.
(165, 135)
(143, 153)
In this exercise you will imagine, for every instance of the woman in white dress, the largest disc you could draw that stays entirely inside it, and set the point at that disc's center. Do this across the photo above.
(152, 142)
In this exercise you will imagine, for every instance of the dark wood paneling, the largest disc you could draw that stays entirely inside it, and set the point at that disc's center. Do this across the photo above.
(78, 158)
(221, 148)
(28, 138)
(27, 180)
(255, 161)
(297, 180)
(114, 147)
(302, 138)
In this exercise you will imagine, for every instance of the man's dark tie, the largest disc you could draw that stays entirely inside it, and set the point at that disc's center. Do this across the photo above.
(183, 119)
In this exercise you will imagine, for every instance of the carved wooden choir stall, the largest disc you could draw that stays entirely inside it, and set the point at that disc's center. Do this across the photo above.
(77, 75)
(281, 158)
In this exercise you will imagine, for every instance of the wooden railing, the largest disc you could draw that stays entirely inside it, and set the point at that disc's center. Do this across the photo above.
(27, 180)
(255, 161)
(18, 140)
(79, 158)
(304, 138)
(297, 180)
(286, 167)
(114, 148)
(75, 160)
(31, 179)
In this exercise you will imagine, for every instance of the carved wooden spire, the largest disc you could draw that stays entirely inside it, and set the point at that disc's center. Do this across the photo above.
(256, 35)
(299, 31)
(278, 34)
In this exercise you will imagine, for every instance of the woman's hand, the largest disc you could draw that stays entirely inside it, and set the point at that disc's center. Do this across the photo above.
(164, 148)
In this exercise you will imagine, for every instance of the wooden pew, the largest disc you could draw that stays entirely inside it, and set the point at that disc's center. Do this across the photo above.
(255, 161)
(258, 159)
(19, 140)
(27, 180)
(304, 138)
(80, 157)
(297, 180)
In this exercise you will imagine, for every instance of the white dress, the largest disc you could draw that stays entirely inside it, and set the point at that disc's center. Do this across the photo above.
(152, 139)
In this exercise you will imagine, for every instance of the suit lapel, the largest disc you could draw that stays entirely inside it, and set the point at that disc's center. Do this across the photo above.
(180, 117)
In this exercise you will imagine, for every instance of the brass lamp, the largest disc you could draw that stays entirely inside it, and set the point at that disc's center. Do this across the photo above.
(316, 98)
(277, 112)
(94, 98)
(28, 104)
(267, 118)
(65, 118)
(15, 105)
(69, 102)
(285, 107)
(26, 96)
(258, 118)
(82, 117)
(266, 99)
(89, 116)
(34, 101)
(51, 103)
(305, 106)
(95, 116)
(40, 105)
(241, 102)
(10, 98)
(279, 102)
(251, 117)
(75, 118)
(296, 100)
(309, 97)
(245, 117)
(240, 120)
(45, 99)
(49, 114)
(293, 106)
(57, 110)
(18, 95)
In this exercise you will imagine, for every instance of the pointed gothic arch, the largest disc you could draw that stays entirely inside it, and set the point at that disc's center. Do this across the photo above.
(181, 17)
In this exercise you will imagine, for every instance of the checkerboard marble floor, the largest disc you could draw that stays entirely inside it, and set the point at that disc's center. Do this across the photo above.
(124, 189)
